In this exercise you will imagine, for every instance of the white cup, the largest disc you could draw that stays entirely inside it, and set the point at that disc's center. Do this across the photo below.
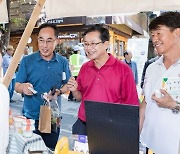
(158, 93)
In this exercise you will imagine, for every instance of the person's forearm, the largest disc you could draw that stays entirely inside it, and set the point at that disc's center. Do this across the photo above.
(142, 114)
(23, 88)
(77, 95)
(64, 89)
(19, 87)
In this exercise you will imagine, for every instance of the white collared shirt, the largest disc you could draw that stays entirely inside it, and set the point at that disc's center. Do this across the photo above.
(161, 128)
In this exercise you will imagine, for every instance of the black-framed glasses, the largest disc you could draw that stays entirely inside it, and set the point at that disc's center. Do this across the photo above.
(48, 41)
(92, 45)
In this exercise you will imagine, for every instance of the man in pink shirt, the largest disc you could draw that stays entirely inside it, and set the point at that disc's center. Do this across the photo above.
(104, 78)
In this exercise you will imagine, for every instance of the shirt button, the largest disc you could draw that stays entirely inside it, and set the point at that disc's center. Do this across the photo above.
(48, 67)
(98, 79)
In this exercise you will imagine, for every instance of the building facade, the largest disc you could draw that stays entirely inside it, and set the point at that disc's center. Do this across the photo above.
(121, 27)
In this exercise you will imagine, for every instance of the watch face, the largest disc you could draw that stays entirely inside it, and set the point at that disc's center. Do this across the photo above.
(176, 110)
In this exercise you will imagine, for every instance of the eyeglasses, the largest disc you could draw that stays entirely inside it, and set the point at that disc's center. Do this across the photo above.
(48, 41)
(92, 45)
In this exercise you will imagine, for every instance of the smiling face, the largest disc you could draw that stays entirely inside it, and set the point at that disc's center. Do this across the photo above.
(10, 52)
(164, 39)
(47, 42)
(94, 47)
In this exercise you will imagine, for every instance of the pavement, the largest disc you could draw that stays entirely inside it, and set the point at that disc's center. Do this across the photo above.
(69, 110)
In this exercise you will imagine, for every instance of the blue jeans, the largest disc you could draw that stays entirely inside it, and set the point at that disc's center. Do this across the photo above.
(50, 139)
(79, 127)
(11, 88)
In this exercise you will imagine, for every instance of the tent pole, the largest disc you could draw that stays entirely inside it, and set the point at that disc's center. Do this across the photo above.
(22, 43)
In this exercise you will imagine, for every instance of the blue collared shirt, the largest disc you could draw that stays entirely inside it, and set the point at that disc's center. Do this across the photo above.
(43, 75)
(6, 62)
(133, 66)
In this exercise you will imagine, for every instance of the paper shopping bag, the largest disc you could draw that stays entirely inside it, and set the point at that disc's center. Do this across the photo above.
(45, 119)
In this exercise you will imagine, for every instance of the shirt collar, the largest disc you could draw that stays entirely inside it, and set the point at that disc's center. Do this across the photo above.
(111, 60)
(39, 58)
(9, 56)
(160, 61)
(129, 63)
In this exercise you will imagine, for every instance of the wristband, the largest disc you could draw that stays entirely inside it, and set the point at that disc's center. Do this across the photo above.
(176, 109)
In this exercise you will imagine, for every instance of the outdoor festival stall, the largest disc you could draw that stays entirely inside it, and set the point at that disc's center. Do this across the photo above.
(66, 8)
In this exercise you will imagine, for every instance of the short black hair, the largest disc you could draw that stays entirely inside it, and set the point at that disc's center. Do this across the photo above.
(104, 32)
(168, 19)
(125, 53)
(75, 51)
(53, 26)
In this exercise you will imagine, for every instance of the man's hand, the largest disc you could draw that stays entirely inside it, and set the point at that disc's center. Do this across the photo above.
(72, 84)
(166, 101)
(26, 90)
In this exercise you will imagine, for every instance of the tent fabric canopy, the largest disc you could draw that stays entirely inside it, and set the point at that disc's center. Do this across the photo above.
(3, 12)
(66, 8)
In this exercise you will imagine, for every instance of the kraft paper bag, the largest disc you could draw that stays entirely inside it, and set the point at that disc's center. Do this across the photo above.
(45, 119)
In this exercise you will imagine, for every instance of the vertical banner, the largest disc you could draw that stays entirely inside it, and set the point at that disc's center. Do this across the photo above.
(3, 12)
(139, 49)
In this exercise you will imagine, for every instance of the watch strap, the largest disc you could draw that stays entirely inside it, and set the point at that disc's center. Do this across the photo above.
(176, 109)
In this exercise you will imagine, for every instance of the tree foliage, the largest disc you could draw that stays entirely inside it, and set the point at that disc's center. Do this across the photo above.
(18, 21)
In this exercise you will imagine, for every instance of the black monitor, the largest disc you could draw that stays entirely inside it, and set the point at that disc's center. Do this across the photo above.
(112, 128)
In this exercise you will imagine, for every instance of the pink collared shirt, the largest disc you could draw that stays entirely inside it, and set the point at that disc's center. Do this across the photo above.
(112, 83)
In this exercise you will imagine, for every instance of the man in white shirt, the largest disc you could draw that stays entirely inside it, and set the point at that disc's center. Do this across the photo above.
(160, 117)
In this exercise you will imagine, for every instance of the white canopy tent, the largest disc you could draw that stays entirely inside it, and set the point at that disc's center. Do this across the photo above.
(3, 12)
(65, 8)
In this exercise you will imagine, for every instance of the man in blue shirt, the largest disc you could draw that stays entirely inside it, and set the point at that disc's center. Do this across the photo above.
(7, 58)
(132, 64)
(42, 70)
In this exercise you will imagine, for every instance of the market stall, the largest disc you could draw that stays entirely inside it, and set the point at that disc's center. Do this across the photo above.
(82, 7)
(64, 9)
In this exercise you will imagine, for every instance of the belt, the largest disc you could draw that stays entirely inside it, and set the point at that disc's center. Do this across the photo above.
(82, 121)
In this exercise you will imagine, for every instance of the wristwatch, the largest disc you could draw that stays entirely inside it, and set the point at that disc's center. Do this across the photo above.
(176, 109)
(60, 92)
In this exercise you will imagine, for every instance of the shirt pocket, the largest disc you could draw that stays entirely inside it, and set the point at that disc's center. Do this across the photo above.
(57, 77)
